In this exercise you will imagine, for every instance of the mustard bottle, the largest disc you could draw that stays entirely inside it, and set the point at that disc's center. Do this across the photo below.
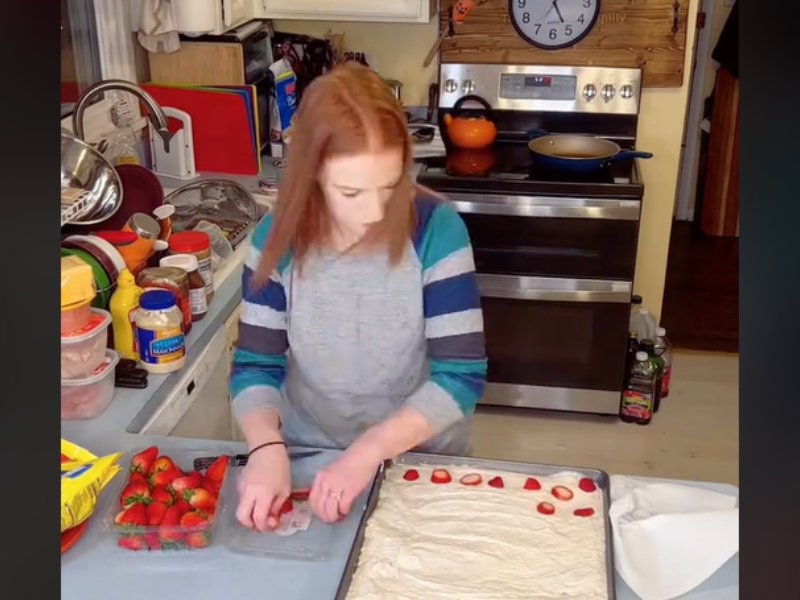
(123, 306)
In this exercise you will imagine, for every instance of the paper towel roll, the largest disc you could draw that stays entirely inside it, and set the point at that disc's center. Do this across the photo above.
(195, 17)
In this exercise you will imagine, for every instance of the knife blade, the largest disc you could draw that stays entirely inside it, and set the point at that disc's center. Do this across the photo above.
(240, 460)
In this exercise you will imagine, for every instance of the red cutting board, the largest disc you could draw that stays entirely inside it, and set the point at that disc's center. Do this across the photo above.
(221, 128)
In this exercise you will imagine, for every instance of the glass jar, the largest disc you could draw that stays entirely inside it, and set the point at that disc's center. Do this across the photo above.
(199, 244)
(197, 287)
(173, 280)
(159, 333)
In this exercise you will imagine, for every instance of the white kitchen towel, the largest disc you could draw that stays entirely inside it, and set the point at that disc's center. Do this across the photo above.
(157, 30)
(669, 538)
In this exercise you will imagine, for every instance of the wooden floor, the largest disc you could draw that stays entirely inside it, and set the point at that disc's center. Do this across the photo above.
(701, 296)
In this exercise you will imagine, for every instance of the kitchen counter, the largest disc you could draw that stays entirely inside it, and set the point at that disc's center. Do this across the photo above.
(96, 569)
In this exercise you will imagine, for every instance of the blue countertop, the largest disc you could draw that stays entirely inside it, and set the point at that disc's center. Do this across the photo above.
(96, 569)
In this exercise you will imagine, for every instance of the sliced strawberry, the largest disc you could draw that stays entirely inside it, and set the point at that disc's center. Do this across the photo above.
(137, 492)
(532, 484)
(562, 493)
(135, 516)
(440, 476)
(155, 513)
(496, 482)
(133, 542)
(162, 463)
(471, 479)
(143, 461)
(587, 485)
(583, 512)
(162, 495)
(303, 495)
(216, 472)
(546, 508)
(197, 539)
(411, 475)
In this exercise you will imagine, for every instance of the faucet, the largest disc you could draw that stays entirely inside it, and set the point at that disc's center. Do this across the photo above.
(158, 118)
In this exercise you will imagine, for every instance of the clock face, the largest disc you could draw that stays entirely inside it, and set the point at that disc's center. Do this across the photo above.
(553, 24)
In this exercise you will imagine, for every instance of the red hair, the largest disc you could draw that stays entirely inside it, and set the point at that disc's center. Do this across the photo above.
(349, 111)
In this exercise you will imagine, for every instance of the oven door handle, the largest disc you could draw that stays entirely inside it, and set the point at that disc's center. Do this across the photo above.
(534, 206)
(553, 289)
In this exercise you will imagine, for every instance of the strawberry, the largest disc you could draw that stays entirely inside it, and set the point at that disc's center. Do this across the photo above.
(212, 486)
(187, 482)
(152, 541)
(201, 499)
(165, 478)
(303, 495)
(162, 495)
(496, 482)
(286, 507)
(135, 516)
(471, 479)
(65, 458)
(136, 476)
(562, 493)
(532, 484)
(134, 543)
(216, 472)
(134, 493)
(546, 508)
(155, 513)
(162, 463)
(182, 505)
(143, 462)
(440, 476)
(169, 531)
(411, 475)
(587, 485)
(583, 512)
(195, 521)
(197, 539)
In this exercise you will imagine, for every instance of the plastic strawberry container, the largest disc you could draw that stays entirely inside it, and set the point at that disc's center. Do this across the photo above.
(164, 536)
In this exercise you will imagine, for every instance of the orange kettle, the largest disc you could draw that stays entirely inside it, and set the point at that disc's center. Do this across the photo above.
(471, 128)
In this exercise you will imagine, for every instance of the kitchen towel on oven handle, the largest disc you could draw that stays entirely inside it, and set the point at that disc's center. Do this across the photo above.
(669, 538)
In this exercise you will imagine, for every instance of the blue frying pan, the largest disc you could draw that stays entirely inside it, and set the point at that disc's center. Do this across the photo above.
(576, 153)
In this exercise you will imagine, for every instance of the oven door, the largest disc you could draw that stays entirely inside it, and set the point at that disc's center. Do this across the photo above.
(555, 343)
(578, 238)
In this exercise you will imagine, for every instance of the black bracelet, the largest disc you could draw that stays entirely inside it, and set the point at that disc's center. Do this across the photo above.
(259, 447)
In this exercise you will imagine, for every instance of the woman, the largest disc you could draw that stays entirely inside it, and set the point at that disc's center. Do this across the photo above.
(361, 325)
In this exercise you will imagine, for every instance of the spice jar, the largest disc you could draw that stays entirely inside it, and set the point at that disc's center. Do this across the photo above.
(197, 287)
(199, 244)
(174, 280)
(159, 333)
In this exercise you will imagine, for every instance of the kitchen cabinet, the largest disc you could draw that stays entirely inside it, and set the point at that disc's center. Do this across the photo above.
(377, 11)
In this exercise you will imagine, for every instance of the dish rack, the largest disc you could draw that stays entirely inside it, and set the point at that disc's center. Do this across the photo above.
(73, 203)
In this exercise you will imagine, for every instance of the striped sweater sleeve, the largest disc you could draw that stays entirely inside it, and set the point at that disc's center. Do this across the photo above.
(259, 358)
(453, 318)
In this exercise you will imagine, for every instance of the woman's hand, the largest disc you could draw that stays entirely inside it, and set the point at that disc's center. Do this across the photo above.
(265, 485)
(337, 486)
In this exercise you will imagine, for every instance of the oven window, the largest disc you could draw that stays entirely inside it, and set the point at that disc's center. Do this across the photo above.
(556, 247)
(559, 344)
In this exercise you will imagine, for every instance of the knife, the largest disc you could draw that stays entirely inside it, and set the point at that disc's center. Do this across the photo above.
(240, 460)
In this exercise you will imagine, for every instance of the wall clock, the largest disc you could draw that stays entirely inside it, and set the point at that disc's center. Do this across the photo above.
(553, 24)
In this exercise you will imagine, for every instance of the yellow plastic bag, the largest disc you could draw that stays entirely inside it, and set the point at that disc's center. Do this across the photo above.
(82, 480)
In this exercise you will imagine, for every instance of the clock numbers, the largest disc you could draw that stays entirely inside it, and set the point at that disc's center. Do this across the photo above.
(553, 24)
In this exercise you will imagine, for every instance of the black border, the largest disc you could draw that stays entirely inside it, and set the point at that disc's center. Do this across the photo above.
(569, 44)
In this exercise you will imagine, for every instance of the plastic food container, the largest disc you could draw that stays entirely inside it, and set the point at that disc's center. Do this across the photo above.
(76, 317)
(163, 537)
(87, 398)
(83, 350)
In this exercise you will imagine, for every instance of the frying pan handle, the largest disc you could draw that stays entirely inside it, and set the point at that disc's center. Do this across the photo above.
(630, 154)
(532, 134)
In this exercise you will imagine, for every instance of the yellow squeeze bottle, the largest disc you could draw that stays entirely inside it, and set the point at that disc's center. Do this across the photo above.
(123, 306)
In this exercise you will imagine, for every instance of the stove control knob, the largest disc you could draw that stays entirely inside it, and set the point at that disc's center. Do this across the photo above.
(468, 87)
(608, 92)
(626, 91)
(450, 86)
(589, 92)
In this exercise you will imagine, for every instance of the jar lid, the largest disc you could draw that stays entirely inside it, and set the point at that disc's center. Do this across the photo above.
(144, 226)
(187, 262)
(189, 242)
(157, 300)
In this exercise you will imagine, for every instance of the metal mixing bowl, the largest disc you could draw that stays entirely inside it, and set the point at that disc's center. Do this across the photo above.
(83, 167)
